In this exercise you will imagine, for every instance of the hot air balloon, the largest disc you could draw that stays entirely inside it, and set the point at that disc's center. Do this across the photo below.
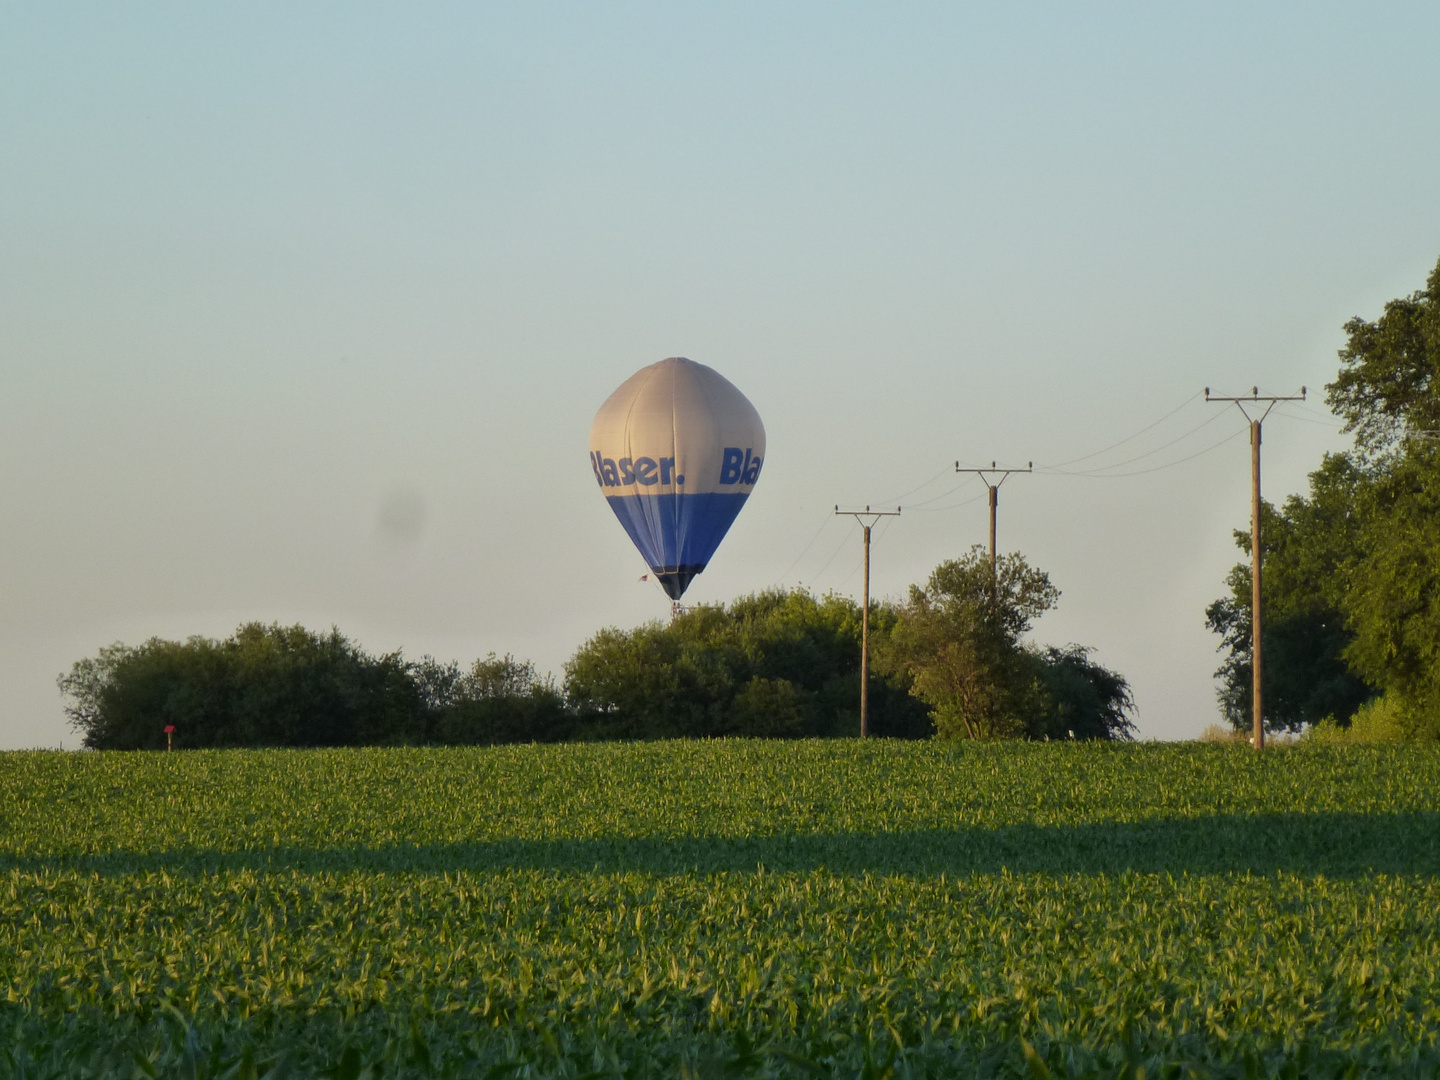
(676, 451)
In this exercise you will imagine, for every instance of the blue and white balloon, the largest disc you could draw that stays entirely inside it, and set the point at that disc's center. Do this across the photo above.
(677, 450)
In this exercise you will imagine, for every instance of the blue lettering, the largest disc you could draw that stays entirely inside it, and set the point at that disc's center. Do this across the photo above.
(607, 470)
(666, 464)
(595, 464)
(731, 469)
(627, 474)
(645, 471)
(753, 472)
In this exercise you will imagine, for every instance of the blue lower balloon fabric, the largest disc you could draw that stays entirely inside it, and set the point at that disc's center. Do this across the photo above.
(677, 533)
(676, 450)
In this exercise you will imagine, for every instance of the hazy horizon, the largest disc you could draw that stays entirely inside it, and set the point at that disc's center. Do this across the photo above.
(305, 312)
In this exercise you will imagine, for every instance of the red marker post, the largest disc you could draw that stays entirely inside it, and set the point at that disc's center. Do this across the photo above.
(169, 736)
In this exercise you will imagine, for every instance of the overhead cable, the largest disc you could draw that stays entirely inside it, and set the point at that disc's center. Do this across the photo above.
(1167, 465)
(948, 506)
(927, 483)
(815, 576)
(1122, 442)
(786, 576)
(1138, 457)
(943, 495)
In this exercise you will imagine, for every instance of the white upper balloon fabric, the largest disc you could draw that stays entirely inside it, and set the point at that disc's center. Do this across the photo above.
(677, 450)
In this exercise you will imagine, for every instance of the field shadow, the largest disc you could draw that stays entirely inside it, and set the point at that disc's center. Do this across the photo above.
(1335, 845)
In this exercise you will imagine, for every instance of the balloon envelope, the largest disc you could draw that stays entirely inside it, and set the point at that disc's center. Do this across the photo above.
(676, 451)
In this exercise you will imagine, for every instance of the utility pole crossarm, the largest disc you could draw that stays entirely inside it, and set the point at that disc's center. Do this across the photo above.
(1255, 399)
(867, 519)
(997, 470)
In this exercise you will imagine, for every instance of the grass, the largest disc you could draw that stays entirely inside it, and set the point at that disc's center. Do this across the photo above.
(722, 908)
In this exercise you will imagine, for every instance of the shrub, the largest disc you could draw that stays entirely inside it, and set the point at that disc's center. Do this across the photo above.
(288, 686)
(1383, 719)
(263, 686)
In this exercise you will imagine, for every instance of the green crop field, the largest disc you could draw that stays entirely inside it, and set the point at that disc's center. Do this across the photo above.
(722, 909)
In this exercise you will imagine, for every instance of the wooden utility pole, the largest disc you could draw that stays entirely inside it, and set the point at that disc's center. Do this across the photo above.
(1257, 701)
(861, 516)
(985, 475)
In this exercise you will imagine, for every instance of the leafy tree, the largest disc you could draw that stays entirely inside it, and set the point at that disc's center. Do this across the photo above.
(263, 686)
(1389, 382)
(779, 663)
(287, 686)
(1393, 602)
(1083, 699)
(1388, 390)
(86, 686)
(960, 644)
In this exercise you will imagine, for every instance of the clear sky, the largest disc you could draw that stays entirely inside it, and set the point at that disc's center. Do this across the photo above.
(305, 309)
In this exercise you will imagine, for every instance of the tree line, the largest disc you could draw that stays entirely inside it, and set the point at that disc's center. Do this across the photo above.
(952, 660)
(1351, 568)
(1351, 590)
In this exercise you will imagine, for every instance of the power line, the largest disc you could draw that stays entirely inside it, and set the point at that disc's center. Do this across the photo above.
(944, 494)
(853, 571)
(1122, 442)
(1138, 457)
(906, 494)
(1157, 468)
(1300, 407)
(948, 506)
(1334, 423)
(816, 576)
(786, 576)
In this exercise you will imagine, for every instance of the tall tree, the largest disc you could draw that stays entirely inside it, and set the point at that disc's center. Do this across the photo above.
(1388, 388)
(961, 645)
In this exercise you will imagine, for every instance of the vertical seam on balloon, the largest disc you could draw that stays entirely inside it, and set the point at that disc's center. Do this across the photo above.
(678, 517)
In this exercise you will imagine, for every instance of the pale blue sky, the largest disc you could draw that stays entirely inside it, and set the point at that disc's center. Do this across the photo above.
(305, 309)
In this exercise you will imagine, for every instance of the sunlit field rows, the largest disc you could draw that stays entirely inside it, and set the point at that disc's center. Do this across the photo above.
(724, 908)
